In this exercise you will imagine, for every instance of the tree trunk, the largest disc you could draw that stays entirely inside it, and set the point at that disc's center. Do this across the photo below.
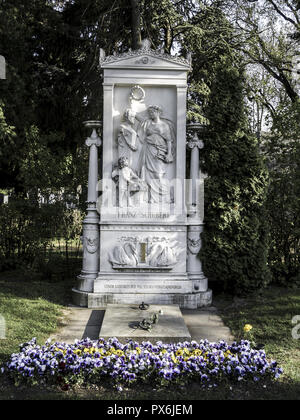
(168, 39)
(136, 25)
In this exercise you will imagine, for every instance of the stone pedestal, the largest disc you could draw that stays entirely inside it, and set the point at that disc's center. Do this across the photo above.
(147, 241)
(195, 219)
(194, 265)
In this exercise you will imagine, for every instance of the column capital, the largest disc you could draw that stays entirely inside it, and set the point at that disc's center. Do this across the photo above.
(195, 142)
(108, 87)
(182, 88)
(94, 139)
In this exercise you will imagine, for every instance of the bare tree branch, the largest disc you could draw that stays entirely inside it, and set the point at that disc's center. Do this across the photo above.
(284, 16)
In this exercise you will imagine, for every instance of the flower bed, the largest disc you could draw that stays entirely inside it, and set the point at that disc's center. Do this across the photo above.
(90, 362)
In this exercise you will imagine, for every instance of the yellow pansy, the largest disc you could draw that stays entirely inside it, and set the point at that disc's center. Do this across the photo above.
(174, 359)
(248, 328)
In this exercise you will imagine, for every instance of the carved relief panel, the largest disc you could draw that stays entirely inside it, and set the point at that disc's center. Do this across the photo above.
(145, 145)
(146, 250)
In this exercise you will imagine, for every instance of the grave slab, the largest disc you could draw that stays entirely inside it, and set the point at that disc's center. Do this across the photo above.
(122, 321)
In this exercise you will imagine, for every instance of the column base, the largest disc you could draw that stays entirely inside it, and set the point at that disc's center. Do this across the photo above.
(200, 282)
(101, 300)
(85, 282)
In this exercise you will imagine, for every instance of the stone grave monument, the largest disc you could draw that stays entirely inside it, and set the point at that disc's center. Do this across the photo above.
(142, 232)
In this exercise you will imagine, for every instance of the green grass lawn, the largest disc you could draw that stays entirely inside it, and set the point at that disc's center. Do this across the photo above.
(33, 309)
(30, 310)
(270, 313)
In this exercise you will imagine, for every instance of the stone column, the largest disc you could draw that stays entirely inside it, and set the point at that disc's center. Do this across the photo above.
(108, 130)
(91, 233)
(181, 151)
(195, 222)
(194, 144)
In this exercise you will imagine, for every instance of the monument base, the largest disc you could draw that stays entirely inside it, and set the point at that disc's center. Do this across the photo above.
(122, 321)
(101, 300)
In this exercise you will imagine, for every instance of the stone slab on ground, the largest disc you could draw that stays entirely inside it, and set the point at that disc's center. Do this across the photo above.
(122, 321)
(79, 323)
(207, 325)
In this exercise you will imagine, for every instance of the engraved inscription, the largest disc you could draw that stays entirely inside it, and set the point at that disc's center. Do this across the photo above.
(142, 286)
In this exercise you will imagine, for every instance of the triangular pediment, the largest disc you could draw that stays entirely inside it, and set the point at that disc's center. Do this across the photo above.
(147, 59)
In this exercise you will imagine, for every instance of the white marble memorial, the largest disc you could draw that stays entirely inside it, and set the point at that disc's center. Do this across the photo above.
(142, 243)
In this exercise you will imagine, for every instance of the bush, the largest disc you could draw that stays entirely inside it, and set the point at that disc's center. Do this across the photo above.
(282, 149)
(40, 237)
(20, 241)
(235, 239)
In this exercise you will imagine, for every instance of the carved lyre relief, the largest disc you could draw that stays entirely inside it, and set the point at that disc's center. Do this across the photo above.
(147, 253)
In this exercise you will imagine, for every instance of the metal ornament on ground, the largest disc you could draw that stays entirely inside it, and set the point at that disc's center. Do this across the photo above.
(148, 324)
(144, 306)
